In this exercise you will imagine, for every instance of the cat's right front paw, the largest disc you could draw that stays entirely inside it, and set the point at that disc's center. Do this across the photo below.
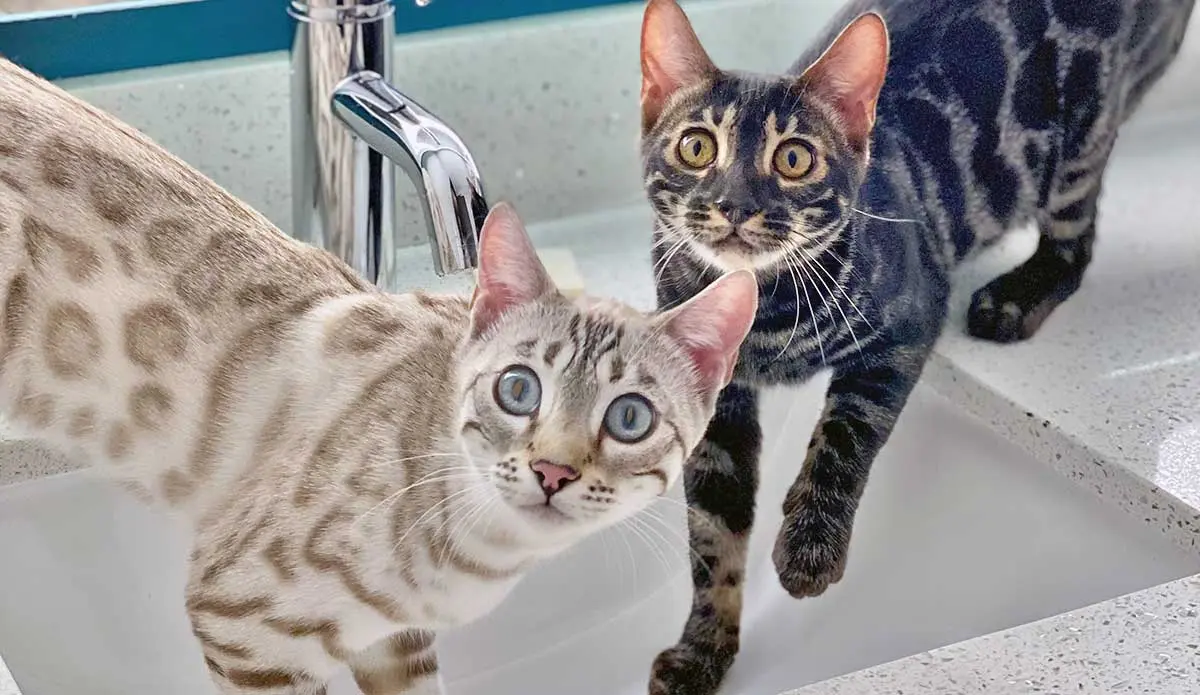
(688, 670)
(810, 554)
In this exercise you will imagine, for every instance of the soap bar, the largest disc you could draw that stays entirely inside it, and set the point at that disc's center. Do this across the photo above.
(560, 263)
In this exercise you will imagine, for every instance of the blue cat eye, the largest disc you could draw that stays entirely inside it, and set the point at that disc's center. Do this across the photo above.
(518, 391)
(630, 418)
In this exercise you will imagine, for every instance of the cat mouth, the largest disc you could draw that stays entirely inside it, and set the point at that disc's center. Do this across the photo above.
(546, 513)
(731, 238)
(732, 242)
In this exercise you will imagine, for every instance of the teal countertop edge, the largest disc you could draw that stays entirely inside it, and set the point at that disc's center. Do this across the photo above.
(134, 35)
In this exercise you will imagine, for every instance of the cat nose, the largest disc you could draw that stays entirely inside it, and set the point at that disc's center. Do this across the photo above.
(732, 211)
(552, 476)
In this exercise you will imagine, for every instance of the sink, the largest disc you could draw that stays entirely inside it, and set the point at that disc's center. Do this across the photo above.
(960, 533)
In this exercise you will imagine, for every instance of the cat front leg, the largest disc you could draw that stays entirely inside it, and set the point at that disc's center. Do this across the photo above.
(235, 680)
(861, 408)
(720, 481)
(402, 664)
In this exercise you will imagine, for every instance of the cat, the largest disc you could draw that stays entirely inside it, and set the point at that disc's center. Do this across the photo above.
(357, 470)
(914, 132)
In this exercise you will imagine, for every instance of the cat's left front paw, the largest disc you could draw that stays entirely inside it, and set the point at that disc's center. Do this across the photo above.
(809, 555)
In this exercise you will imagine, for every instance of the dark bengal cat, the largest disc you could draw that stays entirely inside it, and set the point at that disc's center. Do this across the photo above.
(852, 196)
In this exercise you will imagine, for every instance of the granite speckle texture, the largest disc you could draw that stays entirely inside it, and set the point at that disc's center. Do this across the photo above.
(1147, 642)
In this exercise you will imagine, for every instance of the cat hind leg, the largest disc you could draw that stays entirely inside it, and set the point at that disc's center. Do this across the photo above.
(1014, 306)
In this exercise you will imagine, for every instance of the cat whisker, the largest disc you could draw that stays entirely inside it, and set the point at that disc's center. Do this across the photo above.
(669, 235)
(880, 217)
(684, 540)
(632, 557)
(844, 294)
(693, 513)
(666, 260)
(470, 520)
(438, 476)
(824, 299)
(434, 509)
(633, 524)
(799, 284)
(393, 462)
(844, 264)
(809, 260)
(672, 547)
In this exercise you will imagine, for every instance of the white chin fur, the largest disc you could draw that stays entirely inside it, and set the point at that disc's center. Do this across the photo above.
(729, 261)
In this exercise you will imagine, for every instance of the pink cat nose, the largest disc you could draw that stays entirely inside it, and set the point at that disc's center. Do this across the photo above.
(552, 476)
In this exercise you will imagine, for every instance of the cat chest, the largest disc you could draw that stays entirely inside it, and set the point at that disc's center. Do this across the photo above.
(458, 599)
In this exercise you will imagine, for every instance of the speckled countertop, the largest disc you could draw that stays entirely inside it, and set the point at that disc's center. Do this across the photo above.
(1141, 644)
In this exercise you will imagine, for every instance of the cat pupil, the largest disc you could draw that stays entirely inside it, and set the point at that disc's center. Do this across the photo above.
(630, 416)
(518, 389)
(791, 158)
(696, 147)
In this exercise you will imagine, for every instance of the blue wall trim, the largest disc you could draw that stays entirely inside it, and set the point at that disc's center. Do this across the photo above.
(56, 46)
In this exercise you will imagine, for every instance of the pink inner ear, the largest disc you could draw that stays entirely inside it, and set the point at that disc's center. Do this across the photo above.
(510, 272)
(712, 325)
(672, 57)
(851, 73)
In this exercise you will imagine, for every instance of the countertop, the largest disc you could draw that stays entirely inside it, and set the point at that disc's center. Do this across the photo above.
(1108, 393)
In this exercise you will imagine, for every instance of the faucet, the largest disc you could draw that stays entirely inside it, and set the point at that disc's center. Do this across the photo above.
(351, 127)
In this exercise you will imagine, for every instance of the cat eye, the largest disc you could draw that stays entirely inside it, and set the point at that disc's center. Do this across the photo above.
(629, 419)
(518, 391)
(794, 159)
(697, 148)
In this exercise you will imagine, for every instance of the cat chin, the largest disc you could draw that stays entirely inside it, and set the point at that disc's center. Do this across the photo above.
(728, 260)
(548, 529)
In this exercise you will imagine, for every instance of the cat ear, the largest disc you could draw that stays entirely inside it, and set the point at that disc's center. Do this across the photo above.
(711, 326)
(672, 57)
(850, 73)
(510, 272)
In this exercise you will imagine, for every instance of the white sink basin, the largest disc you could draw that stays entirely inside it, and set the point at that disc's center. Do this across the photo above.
(960, 534)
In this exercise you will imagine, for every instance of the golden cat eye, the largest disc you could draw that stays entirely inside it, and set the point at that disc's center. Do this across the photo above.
(697, 148)
(794, 159)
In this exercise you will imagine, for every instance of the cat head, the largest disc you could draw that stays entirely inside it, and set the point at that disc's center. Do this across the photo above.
(747, 171)
(582, 412)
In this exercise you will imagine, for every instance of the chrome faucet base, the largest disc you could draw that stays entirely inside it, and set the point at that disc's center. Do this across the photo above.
(350, 128)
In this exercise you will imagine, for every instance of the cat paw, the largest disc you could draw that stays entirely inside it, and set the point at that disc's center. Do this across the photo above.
(809, 556)
(994, 317)
(688, 670)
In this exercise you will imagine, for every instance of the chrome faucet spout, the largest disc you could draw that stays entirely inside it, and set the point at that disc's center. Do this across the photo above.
(351, 128)
(432, 155)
